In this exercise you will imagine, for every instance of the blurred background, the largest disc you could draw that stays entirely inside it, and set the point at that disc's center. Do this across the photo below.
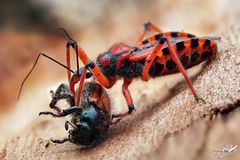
(28, 27)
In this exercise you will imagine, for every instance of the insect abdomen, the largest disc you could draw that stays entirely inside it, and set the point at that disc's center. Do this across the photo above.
(191, 52)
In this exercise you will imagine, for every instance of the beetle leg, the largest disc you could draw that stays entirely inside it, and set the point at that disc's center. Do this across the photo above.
(63, 113)
(62, 88)
(59, 141)
(68, 97)
(62, 92)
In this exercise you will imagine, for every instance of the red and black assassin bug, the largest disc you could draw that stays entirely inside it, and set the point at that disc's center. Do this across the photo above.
(159, 54)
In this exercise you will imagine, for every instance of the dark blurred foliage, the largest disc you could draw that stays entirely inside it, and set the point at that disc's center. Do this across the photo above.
(25, 15)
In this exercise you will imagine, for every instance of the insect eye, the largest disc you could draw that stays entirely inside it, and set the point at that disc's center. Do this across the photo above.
(79, 73)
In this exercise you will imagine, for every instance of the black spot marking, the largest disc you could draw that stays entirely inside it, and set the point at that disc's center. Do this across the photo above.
(165, 51)
(206, 43)
(158, 36)
(194, 43)
(194, 57)
(131, 69)
(135, 49)
(180, 46)
(184, 60)
(146, 41)
(205, 55)
(174, 34)
(190, 35)
(156, 69)
(162, 40)
(171, 65)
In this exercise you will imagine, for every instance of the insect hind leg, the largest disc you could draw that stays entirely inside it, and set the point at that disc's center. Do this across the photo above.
(147, 27)
(182, 70)
(174, 56)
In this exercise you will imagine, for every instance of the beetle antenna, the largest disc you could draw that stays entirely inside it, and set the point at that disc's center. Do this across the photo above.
(35, 63)
(68, 123)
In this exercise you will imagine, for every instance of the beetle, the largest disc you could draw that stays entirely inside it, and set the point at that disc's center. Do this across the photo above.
(90, 120)
(159, 54)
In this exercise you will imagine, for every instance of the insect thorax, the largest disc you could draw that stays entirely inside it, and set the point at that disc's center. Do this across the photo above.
(107, 63)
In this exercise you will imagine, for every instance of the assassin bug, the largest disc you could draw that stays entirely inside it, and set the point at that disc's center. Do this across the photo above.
(159, 54)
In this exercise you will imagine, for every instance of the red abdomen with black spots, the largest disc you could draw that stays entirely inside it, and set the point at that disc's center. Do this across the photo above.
(190, 51)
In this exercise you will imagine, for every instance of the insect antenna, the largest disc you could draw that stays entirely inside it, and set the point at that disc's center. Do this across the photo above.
(35, 63)
(68, 123)
(66, 33)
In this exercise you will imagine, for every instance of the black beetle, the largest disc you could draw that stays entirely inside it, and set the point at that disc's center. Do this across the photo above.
(90, 121)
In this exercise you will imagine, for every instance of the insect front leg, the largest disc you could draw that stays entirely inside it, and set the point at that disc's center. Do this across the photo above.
(79, 53)
(95, 70)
